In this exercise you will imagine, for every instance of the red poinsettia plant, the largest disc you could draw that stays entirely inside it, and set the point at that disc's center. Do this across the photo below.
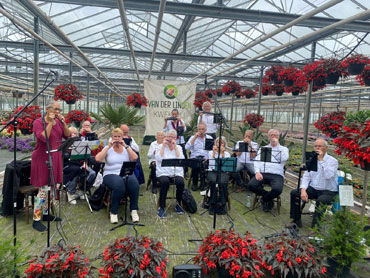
(59, 261)
(240, 257)
(231, 87)
(136, 100)
(272, 74)
(364, 77)
(331, 123)
(294, 256)
(25, 119)
(249, 93)
(67, 92)
(77, 116)
(200, 98)
(290, 74)
(254, 120)
(134, 257)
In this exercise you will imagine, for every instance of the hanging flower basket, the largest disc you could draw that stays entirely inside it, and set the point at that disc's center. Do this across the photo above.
(319, 82)
(231, 87)
(331, 123)
(295, 93)
(68, 93)
(332, 78)
(76, 117)
(355, 69)
(136, 99)
(219, 92)
(26, 119)
(26, 131)
(137, 105)
(210, 93)
(200, 98)
(278, 89)
(272, 75)
(334, 70)
(364, 77)
(254, 120)
(356, 63)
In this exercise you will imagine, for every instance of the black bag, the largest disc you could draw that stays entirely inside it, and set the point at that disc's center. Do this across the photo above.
(188, 202)
(96, 200)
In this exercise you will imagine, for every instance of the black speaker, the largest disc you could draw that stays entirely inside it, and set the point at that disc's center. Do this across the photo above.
(187, 271)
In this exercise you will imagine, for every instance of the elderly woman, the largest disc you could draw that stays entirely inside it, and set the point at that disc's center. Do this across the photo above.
(115, 154)
(56, 129)
(208, 119)
(213, 155)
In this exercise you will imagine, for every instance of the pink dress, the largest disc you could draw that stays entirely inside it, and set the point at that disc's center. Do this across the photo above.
(39, 169)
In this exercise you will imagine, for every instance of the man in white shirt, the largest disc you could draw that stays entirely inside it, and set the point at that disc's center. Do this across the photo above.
(125, 129)
(208, 119)
(245, 159)
(177, 124)
(169, 150)
(151, 158)
(271, 173)
(196, 146)
(321, 185)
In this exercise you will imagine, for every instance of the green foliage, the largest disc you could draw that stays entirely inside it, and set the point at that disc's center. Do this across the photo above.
(282, 141)
(360, 117)
(115, 117)
(191, 127)
(342, 237)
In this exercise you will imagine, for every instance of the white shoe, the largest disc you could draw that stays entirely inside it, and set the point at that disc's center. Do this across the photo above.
(113, 218)
(72, 198)
(134, 216)
(203, 193)
(81, 194)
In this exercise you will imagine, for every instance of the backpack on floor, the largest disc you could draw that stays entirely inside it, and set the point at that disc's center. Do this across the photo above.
(96, 200)
(188, 202)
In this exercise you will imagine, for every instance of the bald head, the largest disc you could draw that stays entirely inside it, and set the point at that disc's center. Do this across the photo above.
(321, 145)
(125, 129)
(248, 134)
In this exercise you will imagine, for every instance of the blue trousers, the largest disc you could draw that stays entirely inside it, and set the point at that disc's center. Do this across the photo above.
(119, 188)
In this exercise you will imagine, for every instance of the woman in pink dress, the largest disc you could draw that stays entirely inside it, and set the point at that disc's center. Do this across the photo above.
(56, 129)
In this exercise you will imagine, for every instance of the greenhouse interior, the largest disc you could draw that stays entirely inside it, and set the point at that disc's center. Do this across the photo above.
(185, 138)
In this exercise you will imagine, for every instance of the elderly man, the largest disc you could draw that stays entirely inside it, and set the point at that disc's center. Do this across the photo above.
(169, 150)
(151, 158)
(271, 173)
(320, 185)
(125, 129)
(196, 145)
(245, 158)
(86, 128)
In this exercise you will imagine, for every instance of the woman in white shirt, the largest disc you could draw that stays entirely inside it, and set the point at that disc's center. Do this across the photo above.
(115, 154)
(151, 158)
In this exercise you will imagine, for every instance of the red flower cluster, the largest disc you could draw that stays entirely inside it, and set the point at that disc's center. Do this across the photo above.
(77, 116)
(356, 59)
(200, 98)
(136, 100)
(67, 92)
(364, 77)
(254, 120)
(273, 74)
(248, 93)
(289, 73)
(135, 257)
(240, 256)
(331, 124)
(26, 119)
(231, 87)
(210, 93)
(68, 261)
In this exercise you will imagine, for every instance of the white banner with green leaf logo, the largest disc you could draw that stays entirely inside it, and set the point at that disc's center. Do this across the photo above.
(163, 96)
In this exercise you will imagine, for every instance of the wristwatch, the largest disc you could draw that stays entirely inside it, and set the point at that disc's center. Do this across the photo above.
(126, 147)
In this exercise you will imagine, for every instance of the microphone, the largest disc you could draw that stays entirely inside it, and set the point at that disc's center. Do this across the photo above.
(56, 75)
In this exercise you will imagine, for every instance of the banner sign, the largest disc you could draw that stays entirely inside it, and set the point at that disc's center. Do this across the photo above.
(163, 96)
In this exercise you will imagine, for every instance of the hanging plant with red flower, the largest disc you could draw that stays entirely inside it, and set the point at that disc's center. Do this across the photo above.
(272, 74)
(278, 89)
(137, 100)
(331, 123)
(240, 257)
(210, 93)
(77, 116)
(231, 87)
(334, 67)
(364, 77)
(249, 93)
(60, 261)
(266, 89)
(355, 63)
(316, 72)
(300, 85)
(68, 93)
(289, 75)
(254, 120)
(200, 98)
(134, 257)
(25, 119)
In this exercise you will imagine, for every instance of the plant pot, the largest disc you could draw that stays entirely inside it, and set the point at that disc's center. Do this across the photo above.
(248, 96)
(73, 101)
(277, 80)
(227, 93)
(366, 166)
(25, 131)
(367, 82)
(288, 83)
(332, 78)
(137, 105)
(319, 82)
(238, 96)
(355, 69)
(77, 123)
(265, 93)
(279, 93)
(295, 93)
(333, 134)
(209, 95)
(334, 269)
(223, 272)
(219, 94)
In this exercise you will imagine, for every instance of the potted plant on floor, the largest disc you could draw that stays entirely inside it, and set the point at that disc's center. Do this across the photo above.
(134, 257)
(136, 100)
(230, 254)
(355, 63)
(288, 256)
(67, 92)
(364, 77)
(76, 117)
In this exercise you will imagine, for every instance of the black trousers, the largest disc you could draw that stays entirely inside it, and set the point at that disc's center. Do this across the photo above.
(198, 173)
(165, 185)
(325, 197)
(186, 169)
(275, 181)
(152, 174)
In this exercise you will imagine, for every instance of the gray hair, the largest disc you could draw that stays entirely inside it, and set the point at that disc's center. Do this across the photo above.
(206, 103)
(323, 139)
(273, 130)
(49, 103)
(223, 139)
(171, 132)
(160, 132)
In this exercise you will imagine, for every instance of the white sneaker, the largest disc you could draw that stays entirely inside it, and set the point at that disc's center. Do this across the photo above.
(81, 194)
(113, 218)
(134, 216)
(72, 198)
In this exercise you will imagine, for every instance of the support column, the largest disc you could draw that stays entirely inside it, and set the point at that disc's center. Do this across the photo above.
(88, 93)
(36, 60)
(273, 114)
(359, 102)
(260, 94)
(231, 112)
(70, 76)
(98, 112)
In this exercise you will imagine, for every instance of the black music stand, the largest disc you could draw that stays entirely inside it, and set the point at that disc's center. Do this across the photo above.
(127, 169)
(127, 141)
(208, 145)
(91, 136)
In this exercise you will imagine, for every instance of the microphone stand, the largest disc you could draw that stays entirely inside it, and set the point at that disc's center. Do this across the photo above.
(14, 122)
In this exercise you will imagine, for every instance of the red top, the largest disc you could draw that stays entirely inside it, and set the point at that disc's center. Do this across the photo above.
(39, 169)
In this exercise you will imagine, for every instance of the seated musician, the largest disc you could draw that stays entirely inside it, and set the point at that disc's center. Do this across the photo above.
(169, 150)
(115, 154)
(320, 185)
(86, 133)
(271, 173)
(217, 200)
(151, 157)
(196, 145)
(245, 161)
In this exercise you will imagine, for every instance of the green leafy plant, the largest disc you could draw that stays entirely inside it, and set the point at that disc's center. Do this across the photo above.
(8, 258)
(115, 117)
(359, 117)
(283, 142)
(191, 127)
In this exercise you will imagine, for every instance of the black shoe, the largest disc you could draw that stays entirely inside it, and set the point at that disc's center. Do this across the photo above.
(194, 187)
(299, 223)
(271, 204)
(38, 226)
(48, 217)
(266, 206)
(154, 190)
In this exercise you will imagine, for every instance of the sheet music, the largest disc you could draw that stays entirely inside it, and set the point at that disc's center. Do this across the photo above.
(346, 195)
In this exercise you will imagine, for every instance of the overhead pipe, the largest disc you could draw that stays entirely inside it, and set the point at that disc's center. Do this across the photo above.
(162, 5)
(271, 34)
(124, 21)
(34, 34)
(308, 36)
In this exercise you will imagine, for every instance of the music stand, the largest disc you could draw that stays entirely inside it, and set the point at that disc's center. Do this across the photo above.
(208, 145)
(243, 147)
(180, 131)
(91, 136)
(127, 169)
(127, 141)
